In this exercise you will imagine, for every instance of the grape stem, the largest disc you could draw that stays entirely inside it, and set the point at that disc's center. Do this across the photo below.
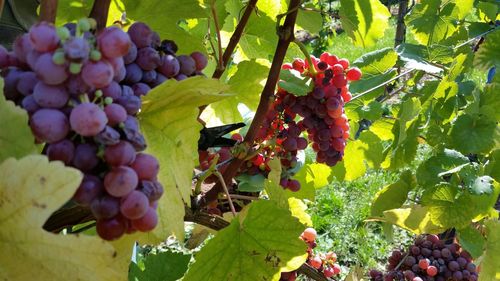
(99, 12)
(220, 63)
(243, 197)
(266, 100)
(48, 10)
(210, 171)
(304, 50)
(401, 262)
(223, 183)
(202, 174)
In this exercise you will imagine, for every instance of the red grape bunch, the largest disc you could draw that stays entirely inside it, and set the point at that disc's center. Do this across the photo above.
(67, 80)
(324, 263)
(429, 259)
(320, 113)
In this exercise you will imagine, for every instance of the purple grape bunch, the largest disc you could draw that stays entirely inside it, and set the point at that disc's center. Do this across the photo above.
(428, 259)
(82, 92)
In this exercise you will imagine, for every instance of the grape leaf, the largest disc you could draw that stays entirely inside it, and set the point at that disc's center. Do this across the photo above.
(481, 185)
(489, 10)
(16, 139)
(71, 11)
(283, 197)
(31, 189)
(394, 195)
(383, 129)
(164, 16)
(493, 166)
(312, 176)
(451, 208)
(474, 134)
(488, 54)
(430, 22)
(415, 219)
(261, 242)
(471, 240)
(247, 84)
(490, 265)
(311, 21)
(169, 123)
(365, 21)
(428, 172)
(376, 62)
(367, 83)
(293, 82)
(164, 266)
(248, 183)
(419, 56)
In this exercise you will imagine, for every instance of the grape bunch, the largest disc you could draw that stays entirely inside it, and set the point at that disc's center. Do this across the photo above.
(67, 79)
(150, 61)
(429, 259)
(320, 112)
(324, 263)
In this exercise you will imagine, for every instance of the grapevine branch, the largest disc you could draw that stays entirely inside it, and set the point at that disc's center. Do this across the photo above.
(99, 12)
(235, 38)
(220, 64)
(2, 2)
(266, 99)
(48, 10)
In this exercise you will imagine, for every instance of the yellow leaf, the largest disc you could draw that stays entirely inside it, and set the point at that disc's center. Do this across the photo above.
(30, 190)
(416, 219)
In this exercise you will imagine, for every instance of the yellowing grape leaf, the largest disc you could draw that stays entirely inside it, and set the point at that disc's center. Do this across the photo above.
(260, 242)
(30, 190)
(416, 219)
(169, 122)
(16, 139)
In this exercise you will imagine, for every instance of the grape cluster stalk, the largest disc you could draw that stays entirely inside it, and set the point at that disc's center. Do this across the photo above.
(82, 90)
(428, 259)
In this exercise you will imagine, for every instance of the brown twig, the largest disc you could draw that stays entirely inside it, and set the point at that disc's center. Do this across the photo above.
(99, 12)
(224, 187)
(243, 197)
(220, 64)
(266, 100)
(2, 2)
(48, 10)
(401, 27)
(235, 38)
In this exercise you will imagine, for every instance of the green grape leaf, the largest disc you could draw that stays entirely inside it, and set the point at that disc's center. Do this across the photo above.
(169, 122)
(451, 208)
(164, 16)
(474, 134)
(415, 219)
(358, 154)
(293, 82)
(376, 62)
(394, 195)
(490, 265)
(311, 21)
(430, 22)
(489, 101)
(249, 183)
(367, 110)
(31, 189)
(489, 10)
(71, 11)
(164, 266)
(260, 242)
(312, 176)
(419, 56)
(383, 129)
(247, 84)
(471, 240)
(493, 166)
(365, 84)
(488, 54)
(365, 21)
(481, 185)
(428, 172)
(16, 139)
